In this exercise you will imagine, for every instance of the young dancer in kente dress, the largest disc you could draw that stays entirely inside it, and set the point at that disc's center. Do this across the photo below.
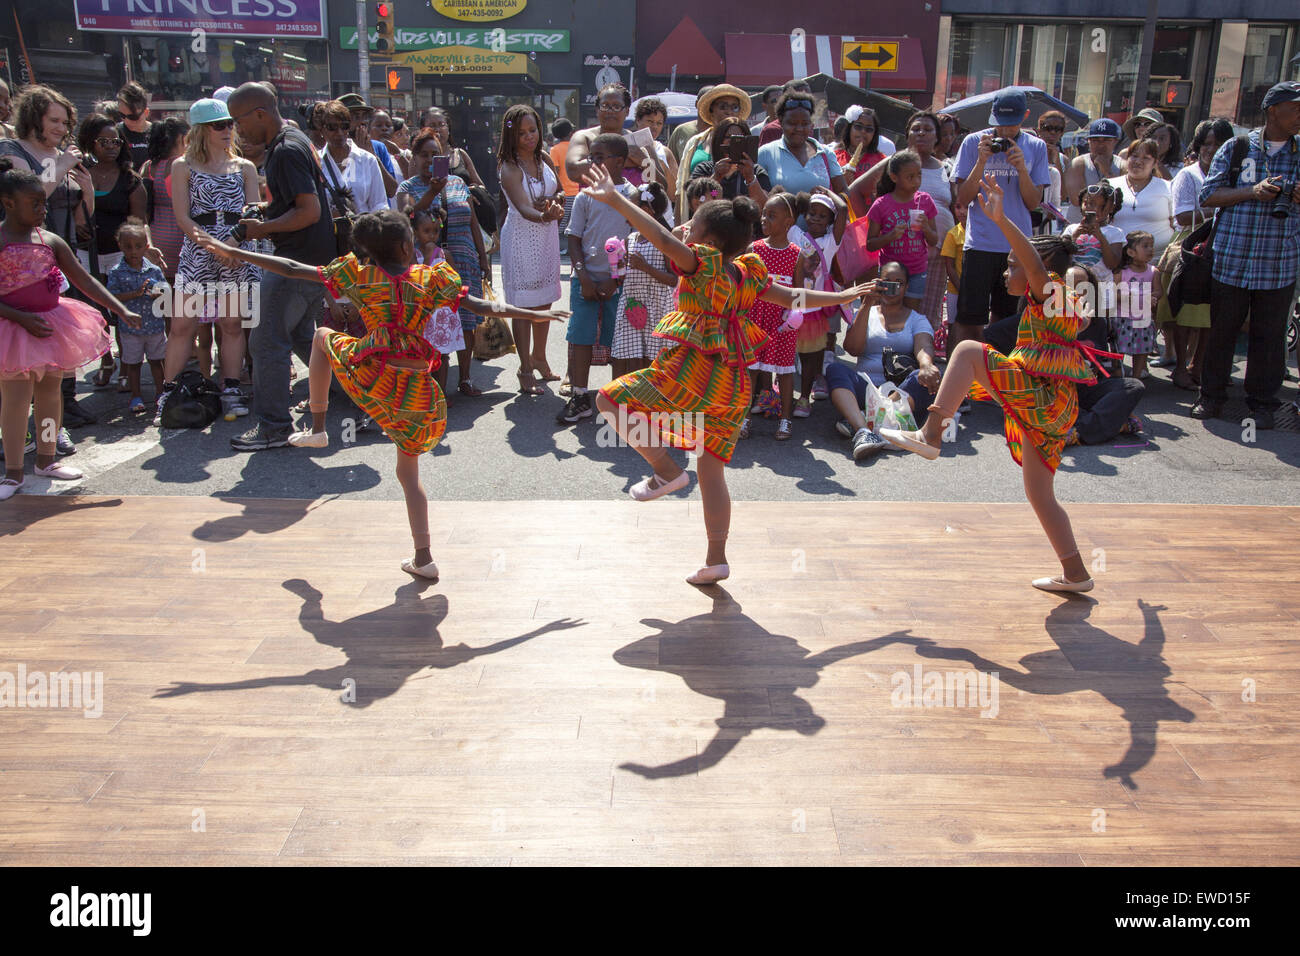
(697, 391)
(1035, 384)
(387, 371)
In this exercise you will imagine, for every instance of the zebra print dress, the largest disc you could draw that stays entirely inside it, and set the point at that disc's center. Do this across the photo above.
(212, 193)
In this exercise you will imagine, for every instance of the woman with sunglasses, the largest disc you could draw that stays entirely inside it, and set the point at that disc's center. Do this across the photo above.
(1138, 127)
(118, 193)
(210, 188)
(859, 150)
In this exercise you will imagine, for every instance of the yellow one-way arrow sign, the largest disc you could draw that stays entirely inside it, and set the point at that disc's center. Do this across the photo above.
(877, 55)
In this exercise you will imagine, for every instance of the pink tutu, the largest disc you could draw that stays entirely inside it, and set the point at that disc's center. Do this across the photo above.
(80, 335)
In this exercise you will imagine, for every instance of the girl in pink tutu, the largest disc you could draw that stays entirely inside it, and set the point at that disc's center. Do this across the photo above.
(42, 336)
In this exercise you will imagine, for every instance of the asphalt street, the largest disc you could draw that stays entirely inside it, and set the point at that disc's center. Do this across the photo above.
(504, 445)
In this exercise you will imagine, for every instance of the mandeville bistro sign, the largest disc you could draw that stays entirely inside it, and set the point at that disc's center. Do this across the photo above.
(497, 39)
(467, 61)
(478, 11)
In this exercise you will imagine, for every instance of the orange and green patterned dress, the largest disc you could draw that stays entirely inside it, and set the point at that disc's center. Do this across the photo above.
(1035, 384)
(405, 402)
(701, 384)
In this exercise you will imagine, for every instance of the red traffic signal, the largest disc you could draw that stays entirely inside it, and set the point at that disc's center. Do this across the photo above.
(1178, 93)
(385, 32)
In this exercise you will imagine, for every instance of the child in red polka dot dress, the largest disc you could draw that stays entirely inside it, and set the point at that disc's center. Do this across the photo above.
(784, 265)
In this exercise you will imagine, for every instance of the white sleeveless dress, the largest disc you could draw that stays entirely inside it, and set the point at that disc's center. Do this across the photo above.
(530, 251)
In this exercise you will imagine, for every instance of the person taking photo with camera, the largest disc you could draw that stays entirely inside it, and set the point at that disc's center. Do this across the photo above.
(1016, 160)
(1256, 254)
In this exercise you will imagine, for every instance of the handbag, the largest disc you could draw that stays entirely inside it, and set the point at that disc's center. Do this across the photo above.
(195, 402)
(492, 338)
(343, 208)
(485, 210)
(855, 259)
(1194, 268)
(898, 365)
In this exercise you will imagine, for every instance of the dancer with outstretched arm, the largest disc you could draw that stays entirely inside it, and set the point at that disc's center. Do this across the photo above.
(697, 393)
(1035, 384)
(387, 371)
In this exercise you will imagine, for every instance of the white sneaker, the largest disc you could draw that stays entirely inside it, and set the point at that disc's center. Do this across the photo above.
(9, 488)
(308, 439)
(867, 443)
(232, 404)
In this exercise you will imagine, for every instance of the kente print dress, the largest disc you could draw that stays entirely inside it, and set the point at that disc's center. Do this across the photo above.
(1035, 384)
(30, 281)
(705, 369)
(405, 402)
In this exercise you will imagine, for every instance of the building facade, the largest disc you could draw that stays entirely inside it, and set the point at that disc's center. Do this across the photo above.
(1231, 52)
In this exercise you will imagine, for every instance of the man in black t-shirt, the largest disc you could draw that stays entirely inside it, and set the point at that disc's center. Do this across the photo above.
(298, 222)
(133, 104)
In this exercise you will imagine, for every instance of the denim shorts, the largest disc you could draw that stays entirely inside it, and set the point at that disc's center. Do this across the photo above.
(584, 314)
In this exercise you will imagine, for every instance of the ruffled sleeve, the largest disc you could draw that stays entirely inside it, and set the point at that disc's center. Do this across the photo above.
(756, 277)
(442, 285)
(341, 275)
(710, 260)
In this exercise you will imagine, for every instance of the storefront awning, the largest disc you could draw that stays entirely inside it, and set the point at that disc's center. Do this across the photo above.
(687, 51)
(763, 59)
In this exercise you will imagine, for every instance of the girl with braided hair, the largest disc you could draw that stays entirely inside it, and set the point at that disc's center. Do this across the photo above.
(386, 371)
(1034, 384)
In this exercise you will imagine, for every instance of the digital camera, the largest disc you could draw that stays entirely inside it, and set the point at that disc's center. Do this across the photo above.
(255, 211)
(1281, 207)
(1001, 144)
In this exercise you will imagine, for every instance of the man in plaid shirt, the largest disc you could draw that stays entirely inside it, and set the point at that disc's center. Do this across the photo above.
(1256, 257)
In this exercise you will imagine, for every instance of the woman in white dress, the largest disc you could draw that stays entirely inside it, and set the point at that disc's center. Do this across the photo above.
(530, 238)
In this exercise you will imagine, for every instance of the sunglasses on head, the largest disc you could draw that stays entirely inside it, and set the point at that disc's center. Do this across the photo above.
(1099, 189)
(799, 105)
(221, 124)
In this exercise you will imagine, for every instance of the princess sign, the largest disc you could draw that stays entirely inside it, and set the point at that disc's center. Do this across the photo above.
(244, 18)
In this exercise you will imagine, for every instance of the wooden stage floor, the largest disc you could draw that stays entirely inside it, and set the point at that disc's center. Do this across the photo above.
(276, 691)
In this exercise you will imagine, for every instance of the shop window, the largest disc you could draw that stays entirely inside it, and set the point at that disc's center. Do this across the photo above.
(173, 72)
(979, 55)
(1262, 67)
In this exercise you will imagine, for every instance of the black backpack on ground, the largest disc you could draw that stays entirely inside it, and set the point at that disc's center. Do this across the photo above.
(194, 403)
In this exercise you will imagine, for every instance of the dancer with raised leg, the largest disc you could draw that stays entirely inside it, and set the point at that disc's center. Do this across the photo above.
(697, 393)
(387, 371)
(1035, 384)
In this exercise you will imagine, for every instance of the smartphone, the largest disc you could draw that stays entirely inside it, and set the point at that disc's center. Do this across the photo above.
(440, 168)
(890, 288)
(739, 147)
(1089, 218)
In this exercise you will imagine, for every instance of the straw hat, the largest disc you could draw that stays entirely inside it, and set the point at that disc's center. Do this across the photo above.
(705, 102)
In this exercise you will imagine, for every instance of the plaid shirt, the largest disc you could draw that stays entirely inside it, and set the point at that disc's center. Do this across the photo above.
(1252, 250)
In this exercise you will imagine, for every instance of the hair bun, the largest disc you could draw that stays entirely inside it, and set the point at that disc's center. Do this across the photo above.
(746, 210)
(1069, 245)
(6, 164)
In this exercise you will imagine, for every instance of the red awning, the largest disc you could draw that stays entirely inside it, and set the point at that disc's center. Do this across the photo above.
(763, 59)
(687, 49)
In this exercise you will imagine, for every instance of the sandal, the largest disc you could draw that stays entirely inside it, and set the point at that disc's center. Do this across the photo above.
(123, 385)
(529, 385)
(468, 388)
(102, 377)
(544, 370)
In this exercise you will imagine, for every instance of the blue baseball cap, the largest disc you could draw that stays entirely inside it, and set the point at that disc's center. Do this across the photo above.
(1282, 93)
(1104, 128)
(208, 111)
(1009, 108)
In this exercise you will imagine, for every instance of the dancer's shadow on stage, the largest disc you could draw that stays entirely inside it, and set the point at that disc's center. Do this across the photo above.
(385, 647)
(1132, 677)
(260, 516)
(756, 674)
(26, 510)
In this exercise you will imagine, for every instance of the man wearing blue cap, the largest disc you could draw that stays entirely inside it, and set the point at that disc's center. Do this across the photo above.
(1096, 166)
(1017, 161)
(1256, 257)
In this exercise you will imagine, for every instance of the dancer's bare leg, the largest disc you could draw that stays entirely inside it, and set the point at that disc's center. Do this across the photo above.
(1056, 523)
(717, 506)
(318, 380)
(417, 506)
(665, 468)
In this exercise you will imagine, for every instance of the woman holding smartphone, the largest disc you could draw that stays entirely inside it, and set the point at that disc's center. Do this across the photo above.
(433, 185)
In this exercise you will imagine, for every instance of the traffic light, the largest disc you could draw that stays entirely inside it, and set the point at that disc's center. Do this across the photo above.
(1177, 93)
(386, 41)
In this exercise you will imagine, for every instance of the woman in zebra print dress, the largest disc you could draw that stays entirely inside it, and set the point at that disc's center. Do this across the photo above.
(210, 187)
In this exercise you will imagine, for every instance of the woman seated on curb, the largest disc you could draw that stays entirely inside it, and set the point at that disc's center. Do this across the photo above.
(884, 322)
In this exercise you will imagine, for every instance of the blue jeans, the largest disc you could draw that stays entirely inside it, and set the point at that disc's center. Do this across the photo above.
(839, 375)
(286, 324)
